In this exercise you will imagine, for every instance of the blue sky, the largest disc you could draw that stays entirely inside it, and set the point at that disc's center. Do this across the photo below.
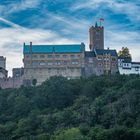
(66, 21)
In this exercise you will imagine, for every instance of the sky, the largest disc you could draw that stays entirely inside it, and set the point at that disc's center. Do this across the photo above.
(66, 22)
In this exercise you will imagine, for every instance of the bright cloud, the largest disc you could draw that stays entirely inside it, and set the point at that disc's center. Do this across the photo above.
(13, 7)
(57, 22)
(11, 44)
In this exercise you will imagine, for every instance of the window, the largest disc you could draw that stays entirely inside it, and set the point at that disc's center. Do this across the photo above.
(42, 56)
(97, 39)
(72, 70)
(113, 65)
(72, 56)
(27, 56)
(65, 56)
(90, 60)
(98, 33)
(57, 56)
(99, 58)
(106, 56)
(75, 62)
(58, 71)
(78, 55)
(57, 62)
(40, 70)
(49, 56)
(113, 59)
(27, 62)
(42, 64)
(99, 64)
(35, 63)
(34, 56)
(65, 62)
(120, 64)
(49, 63)
(78, 70)
(49, 70)
(136, 68)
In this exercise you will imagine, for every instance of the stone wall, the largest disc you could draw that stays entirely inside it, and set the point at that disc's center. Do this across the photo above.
(11, 82)
(100, 64)
(43, 66)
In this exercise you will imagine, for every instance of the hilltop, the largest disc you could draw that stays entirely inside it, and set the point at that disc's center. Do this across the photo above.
(94, 108)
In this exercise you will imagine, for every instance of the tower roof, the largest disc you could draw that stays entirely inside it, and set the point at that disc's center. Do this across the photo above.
(96, 24)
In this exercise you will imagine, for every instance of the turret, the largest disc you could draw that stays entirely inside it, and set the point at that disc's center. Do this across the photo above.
(96, 34)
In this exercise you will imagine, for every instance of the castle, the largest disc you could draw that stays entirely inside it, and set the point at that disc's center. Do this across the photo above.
(71, 61)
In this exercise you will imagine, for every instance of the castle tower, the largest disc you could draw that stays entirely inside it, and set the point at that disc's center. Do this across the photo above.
(96, 34)
(2, 62)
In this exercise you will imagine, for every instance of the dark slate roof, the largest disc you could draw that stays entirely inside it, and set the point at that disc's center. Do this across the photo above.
(125, 59)
(2, 69)
(89, 54)
(102, 52)
(135, 63)
(75, 48)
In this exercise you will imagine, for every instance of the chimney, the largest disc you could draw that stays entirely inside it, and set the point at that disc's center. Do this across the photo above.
(30, 47)
(82, 47)
(30, 43)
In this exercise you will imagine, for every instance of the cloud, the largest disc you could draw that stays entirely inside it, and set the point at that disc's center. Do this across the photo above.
(69, 21)
(66, 25)
(129, 8)
(122, 33)
(119, 39)
(12, 7)
(92, 4)
(48, 24)
(10, 23)
(11, 44)
(12, 40)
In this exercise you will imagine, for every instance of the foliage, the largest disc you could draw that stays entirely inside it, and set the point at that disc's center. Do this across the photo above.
(70, 134)
(34, 82)
(95, 108)
(124, 53)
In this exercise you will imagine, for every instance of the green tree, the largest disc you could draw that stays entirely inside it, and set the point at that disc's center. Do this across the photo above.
(34, 82)
(70, 134)
(124, 53)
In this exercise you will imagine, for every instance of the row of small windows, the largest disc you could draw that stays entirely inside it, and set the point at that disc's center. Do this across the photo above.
(58, 70)
(106, 58)
(51, 56)
(136, 68)
(50, 63)
(126, 64)
(108, 64)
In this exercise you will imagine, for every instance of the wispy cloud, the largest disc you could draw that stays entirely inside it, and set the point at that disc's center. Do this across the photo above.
(117, 40)
(11, 44)
(10, 23)
(117, 34)
(129, 8)
(92, 4)
(12, 7)
(43, 22)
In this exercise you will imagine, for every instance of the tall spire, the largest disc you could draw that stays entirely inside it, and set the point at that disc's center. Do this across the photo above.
(96, 24)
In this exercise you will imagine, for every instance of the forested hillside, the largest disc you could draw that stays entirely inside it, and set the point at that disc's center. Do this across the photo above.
(96, 108)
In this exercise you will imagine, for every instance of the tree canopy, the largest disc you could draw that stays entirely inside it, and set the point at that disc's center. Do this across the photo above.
(124, 53)
(94, 108)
